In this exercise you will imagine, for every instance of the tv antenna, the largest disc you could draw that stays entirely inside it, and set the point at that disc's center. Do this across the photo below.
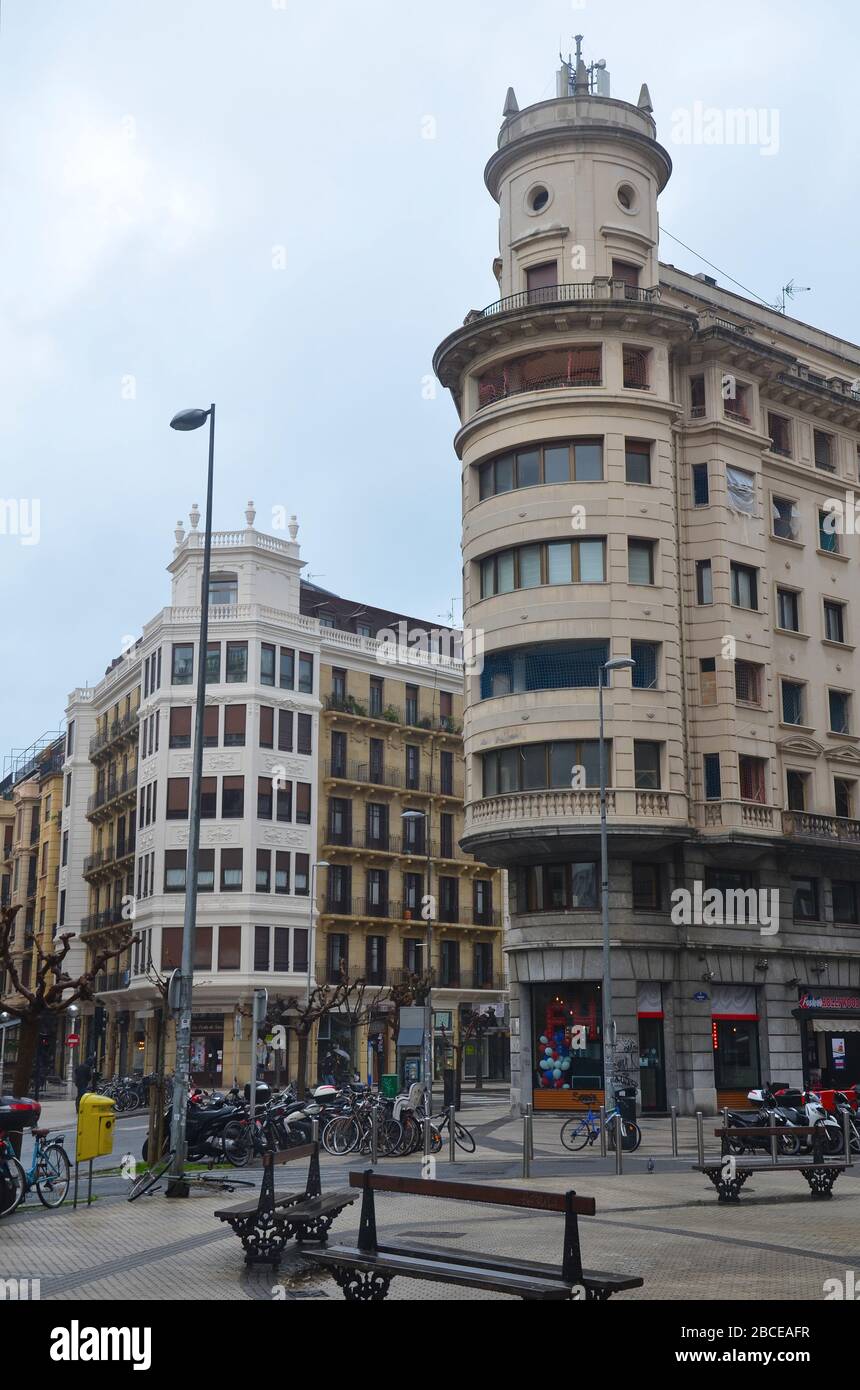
(788, 292)
(575, 79)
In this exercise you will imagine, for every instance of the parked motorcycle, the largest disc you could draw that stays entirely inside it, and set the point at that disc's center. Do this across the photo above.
(207, 1131)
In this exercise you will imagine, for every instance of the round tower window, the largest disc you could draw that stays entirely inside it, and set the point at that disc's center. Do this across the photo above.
(626, 196)
(538, 199)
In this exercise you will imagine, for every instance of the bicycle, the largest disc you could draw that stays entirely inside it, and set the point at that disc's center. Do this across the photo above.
(582, 1130)
(13, 1180)
(463, 1138)
(49, 1171)
(150, 1180)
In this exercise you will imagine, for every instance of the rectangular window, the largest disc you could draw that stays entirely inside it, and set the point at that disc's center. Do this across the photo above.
(795, 786)
(300, 947)
(265, 798)
(788, 610)
(206, 871)
(284, 802)
(229, 944)
(834, 621)
(446, 773)
(779, 429)
(175, 862)
(792, 703)
(377, 696)
(637, 461)
(234, 725)
(306, 673)
(282, 871)
(748, 682)
(744, 586)
(697, 397)
(640, 562)
(805, 899)
(736, 401)
(412, 705)
(828, 535)
(303, 803)
(740, 491)
(845, 902)
(708, 680)
(233, 798)
(211, 726)
(231, 871)
(843, 790)
(213, 663)
(701, 485)
(713, 777)
(646, 759)
(267, 664)
(267, 727)
(303, 872)
(183, 664)
(237, 663)
(785, 518)
(285, 730)
(261, 949)
(287, 669)
(208, 798)
(646, 887)
(282, 951)
(704, 582)
(68, 799)
(177, 798)
(171, 948)
(539, 280)
(587, 460)
(824, 451)
(839, 704)
(636, 362)
(413, 766)
(753, 779)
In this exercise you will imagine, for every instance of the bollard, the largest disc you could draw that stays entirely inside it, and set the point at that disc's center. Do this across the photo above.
(527, 1168)
(315, 1131)
(725, 1118)
(531, 1115)
(847, 1135)
(619, 1145)
(700, 1137)
(774, 1154)
(374, 1137)
(452, 1138)
(674, 1121)
(427, 1144)
(603, 1149)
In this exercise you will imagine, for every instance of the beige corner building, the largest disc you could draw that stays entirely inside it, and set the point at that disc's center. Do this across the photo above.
(650, 468)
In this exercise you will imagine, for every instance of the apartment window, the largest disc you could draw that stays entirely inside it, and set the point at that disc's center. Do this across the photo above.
(446, 773)
(177, 798)
(793, 701)
(580, 460)
(534, 766)
(267, 664)
(265, 798)
(339, 821)
(482, 902)
(413, 956)
(284, 803)
(70, 738)
(646, 759)
(845, 902)
(377, 892)
(175, 862)
(413, 767)
(704, 582)
(558, 888)
(234, 726)
(834, 621)
(233, 798)
(697, 397)
(795, 786)
(287, 675)
(446, 710)
(748, 682)
(752, 772)
(303, 803)
(450, 964)
(375, 960)
(213, 663)
(647, 669)
(824, 450)
(744, 586)
(338, 687)
(539, 280)
(788, 609)
(337, 956)
(206, 871)
(640, 561)
(261, 949)
(828, 536)
(843, 790)
(449, 899)
(556, 562)
(285, 731)
(701, 485)
(183, 664)
(786, 518)
(208, 798)
(338, 754)
(412, 704)
(237, 663)
(282, 872)
(171, 948)
(68, 797)
(267, 727)
(586, 457)
(306, 674)
(740, 491)
(231, 871)
(637, 461)
(708, 680)
(779, 429)
(713, 777)
(300, 944)
(339, 895)
(446, 835)
(736, 403)
(377, 696)
(224, 590)
(376, 821)
(805, 899)
(264, 870)
(636, 363)
(646, 887)
(305, 730)
(229, 947)
(839, 704)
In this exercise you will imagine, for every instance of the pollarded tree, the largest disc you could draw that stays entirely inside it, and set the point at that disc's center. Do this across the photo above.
(350, 999)
(52, 990)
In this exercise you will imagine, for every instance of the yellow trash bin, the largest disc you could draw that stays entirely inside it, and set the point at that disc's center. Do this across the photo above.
(96, 1120)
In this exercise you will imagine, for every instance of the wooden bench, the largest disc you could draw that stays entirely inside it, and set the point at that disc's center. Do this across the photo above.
(264, 1226)
(364, 1272)
(733, 1170)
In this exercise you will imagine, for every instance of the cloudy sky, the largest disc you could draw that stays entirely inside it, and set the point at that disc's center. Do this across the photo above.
(235, 200)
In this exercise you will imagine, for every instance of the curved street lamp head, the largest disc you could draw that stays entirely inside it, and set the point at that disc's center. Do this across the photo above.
(413, 815)
(322, 864)
(620, 663)
(189, 419)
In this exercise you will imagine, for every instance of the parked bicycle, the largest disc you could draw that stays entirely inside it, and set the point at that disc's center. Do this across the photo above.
(49, 1170)
(584, 1130)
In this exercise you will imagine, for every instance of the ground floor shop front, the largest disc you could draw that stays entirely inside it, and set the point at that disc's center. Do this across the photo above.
(682, 1039)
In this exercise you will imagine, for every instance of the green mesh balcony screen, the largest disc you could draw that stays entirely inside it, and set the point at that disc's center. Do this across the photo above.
(563, 668)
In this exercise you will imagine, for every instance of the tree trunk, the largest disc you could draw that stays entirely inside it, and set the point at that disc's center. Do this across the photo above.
(28, 1041)
(302, 1077)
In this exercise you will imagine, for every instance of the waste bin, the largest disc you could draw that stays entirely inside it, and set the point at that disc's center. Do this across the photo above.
(625, 1099)
(390, 1086)
(451, 1085)
(96, 1120)
(18, 1113)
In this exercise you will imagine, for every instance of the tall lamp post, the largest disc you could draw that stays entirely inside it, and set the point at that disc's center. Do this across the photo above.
(620, 663)
(414, 816)
(321, 864)
(177, 1185)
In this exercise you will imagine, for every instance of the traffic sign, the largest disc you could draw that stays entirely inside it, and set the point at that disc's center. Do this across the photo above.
(73, 1039)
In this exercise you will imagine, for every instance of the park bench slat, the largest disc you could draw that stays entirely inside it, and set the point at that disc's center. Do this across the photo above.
(531, 1199)
(589, 1276)
(496, 1280)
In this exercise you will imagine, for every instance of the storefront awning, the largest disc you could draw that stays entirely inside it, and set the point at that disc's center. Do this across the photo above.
(836, 1025)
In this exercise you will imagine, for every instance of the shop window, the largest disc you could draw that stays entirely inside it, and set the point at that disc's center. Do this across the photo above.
(806, 898)
(559, 1067)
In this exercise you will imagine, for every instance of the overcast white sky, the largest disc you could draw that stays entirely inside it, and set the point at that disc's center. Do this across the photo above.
(154, 153)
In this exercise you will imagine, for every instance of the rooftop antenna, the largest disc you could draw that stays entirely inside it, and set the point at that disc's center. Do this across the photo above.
(788, 292)
(575, 79)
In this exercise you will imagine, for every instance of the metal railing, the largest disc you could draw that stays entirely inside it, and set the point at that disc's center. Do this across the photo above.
(120, 787)
(98, 921)
(585, 293)
(117, 729)
(387, 776)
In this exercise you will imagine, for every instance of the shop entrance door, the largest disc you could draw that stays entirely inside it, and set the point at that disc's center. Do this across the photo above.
(207, 1059)
(652, 1066)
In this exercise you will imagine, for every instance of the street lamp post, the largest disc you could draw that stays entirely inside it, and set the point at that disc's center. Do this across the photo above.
(3, 1017)
(321, 864)
(177, 1185)
(620, 663)
(428, 1031)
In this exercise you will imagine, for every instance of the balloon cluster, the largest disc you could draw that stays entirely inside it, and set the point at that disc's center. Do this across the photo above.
(554, 1065)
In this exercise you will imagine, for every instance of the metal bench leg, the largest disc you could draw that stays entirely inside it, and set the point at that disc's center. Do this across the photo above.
(361, 1287)
(264, 1242)
(820, 1182)
(728, 1189)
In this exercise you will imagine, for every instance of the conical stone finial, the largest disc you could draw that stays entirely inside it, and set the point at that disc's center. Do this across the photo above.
(512, 106)
(194, 517)
(644, 102)
(179, 533)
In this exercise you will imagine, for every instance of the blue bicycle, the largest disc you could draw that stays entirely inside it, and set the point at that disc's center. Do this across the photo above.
(49, 1171)
(581, 1130)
